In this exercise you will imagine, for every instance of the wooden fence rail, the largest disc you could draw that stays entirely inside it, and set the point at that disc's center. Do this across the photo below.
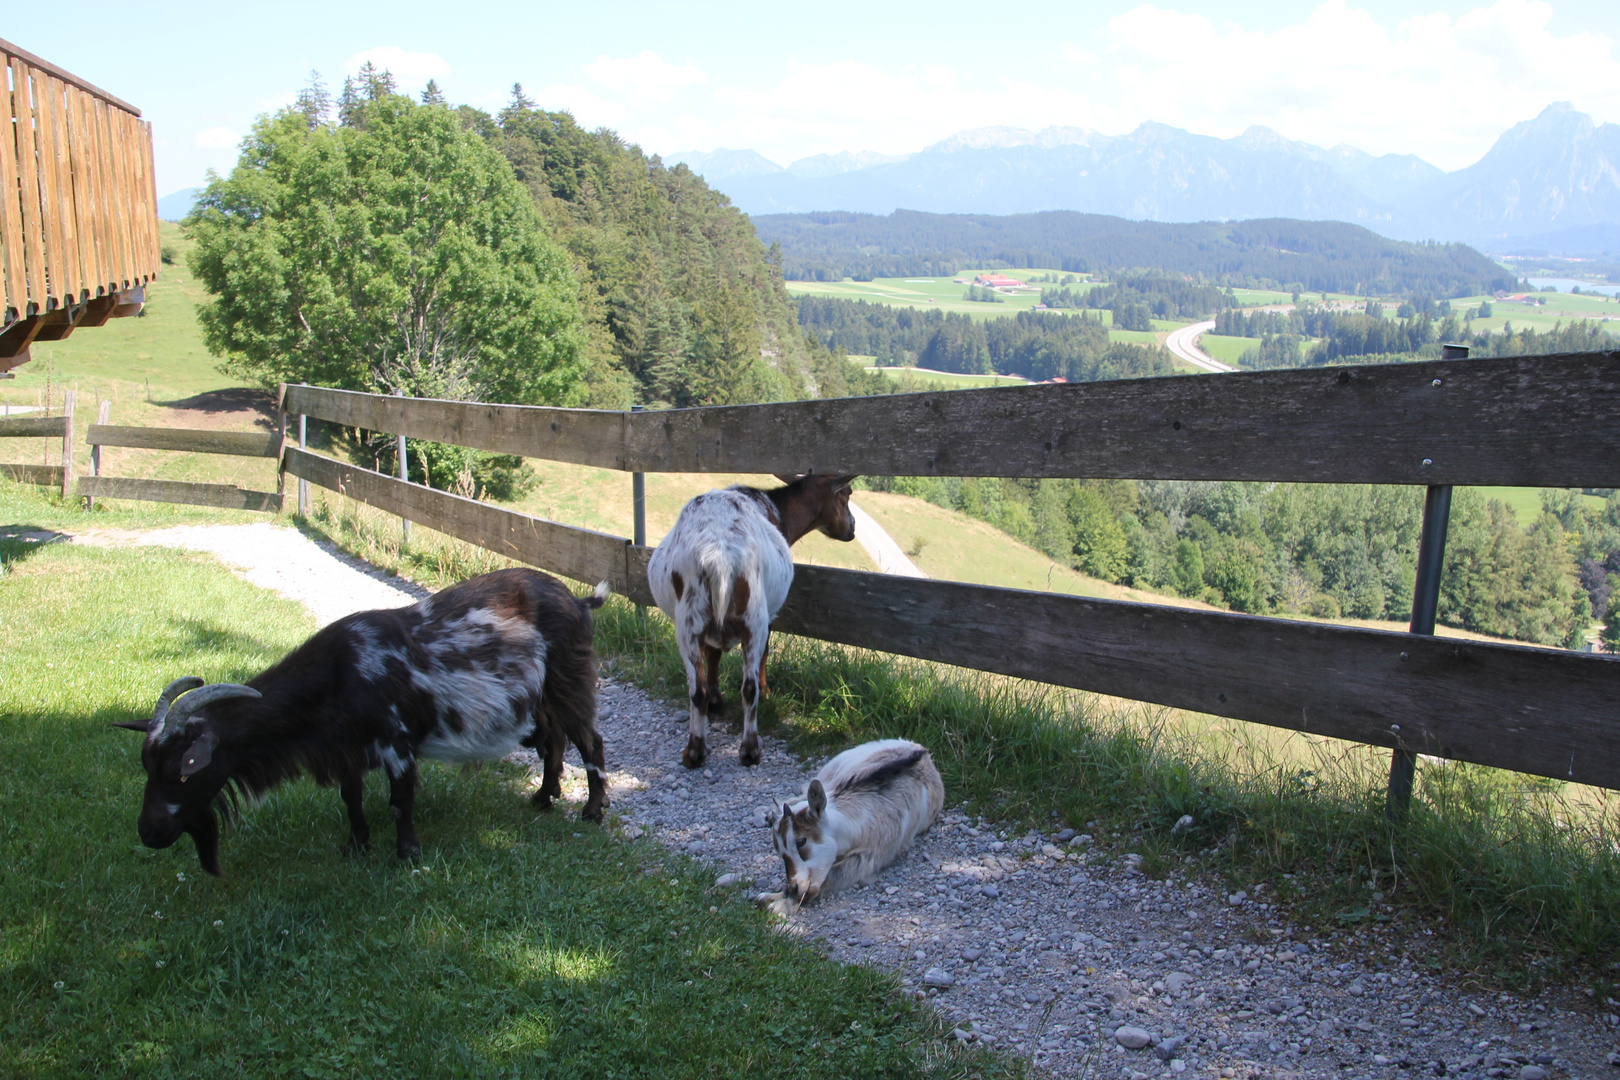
(1542, 711)
(43, 427)
(226, 496)
(1547, 421)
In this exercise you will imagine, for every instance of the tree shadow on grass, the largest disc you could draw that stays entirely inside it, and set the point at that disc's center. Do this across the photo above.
(18, 542)
(192, 638)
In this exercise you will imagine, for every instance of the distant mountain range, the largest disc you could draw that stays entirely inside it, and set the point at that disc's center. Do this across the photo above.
(1551, 184)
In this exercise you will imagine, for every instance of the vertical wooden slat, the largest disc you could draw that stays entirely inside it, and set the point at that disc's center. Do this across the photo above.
(86, 193)
(117, 205)
(155, 257)
(28, 176)
(11, 234)
(50, 205)
(134, 221)
(104, 204)
(62, 185)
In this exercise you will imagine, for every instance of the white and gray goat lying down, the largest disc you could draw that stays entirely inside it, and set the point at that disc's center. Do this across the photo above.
(470, 674)
(723, 573)
(860, 812)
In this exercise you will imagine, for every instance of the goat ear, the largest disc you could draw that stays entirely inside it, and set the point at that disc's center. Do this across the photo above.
(841, 482)
(133, 725)
(818, 799)
(199, 754)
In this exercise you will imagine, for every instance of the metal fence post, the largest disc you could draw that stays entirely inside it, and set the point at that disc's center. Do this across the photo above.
(404, 474)
(638, 497)
(67, 444)
(303, 441)
(1425, 606)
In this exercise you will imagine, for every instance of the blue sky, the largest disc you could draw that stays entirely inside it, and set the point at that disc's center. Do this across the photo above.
(1435, 78)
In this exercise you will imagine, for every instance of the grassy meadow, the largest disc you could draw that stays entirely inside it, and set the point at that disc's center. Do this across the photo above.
(520, 944)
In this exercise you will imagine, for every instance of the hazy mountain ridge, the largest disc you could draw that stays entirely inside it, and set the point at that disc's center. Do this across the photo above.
(1542, 178)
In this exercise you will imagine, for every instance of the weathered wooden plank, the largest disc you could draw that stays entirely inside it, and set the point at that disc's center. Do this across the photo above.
(1542, 711)
(581, 436)
(1551, 421)
(11, 233)
(575, 553)
(175, 491)
(240, 443)
(43, 475)
(28, 177)
(71, 291)
(86, 193)
(50, 211)
(33, 427)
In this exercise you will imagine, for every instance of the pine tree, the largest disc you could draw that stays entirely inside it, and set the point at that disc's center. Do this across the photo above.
(350, 107)
(432, 95)
(314, 101)
(520, 101)
(376, 84)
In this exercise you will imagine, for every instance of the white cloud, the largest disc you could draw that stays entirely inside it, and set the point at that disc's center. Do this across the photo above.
(404, 65)
(215, 138)
(644, 75)
(1436, 85)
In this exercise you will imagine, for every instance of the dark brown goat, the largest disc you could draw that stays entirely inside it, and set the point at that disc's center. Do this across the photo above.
(500, 661)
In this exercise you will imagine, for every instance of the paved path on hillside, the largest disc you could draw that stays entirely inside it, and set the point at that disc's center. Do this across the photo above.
(881, 546)
(1184, 344)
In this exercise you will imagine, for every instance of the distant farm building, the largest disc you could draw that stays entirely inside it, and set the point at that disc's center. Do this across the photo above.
(997, 281)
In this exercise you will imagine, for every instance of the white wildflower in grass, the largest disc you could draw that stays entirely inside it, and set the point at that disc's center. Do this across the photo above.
(59, 985)
(219, 922)
(180, 876)
(160, 963)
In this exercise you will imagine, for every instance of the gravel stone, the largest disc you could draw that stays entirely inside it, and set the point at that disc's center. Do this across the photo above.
(1132, 1038)
(938, 976)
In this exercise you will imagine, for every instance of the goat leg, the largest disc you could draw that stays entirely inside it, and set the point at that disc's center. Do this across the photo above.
(351, 787)
(402, 801)
(697, 727)
(752, 689)
(590, 752)
(551, 782)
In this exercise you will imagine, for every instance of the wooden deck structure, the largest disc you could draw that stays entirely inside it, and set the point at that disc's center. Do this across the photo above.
(78, 205)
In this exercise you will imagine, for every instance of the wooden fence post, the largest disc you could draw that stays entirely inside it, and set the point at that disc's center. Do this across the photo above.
(1425, 607)
(281, 445)
(638, 497)
(103, 414)
(303, 441)
(67, 444)
(404, 474)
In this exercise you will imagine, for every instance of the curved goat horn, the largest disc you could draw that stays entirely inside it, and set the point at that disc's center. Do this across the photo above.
(166, 699)
(197, 699)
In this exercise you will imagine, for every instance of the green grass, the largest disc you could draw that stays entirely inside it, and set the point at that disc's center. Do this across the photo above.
(925, 378)
(1226, 349)
(1526, 501)
(520, 944)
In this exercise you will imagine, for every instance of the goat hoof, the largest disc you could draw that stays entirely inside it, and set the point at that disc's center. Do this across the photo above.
(748, 754)
(695, 754)
(542, 800)
(591, 814)
(408, 851)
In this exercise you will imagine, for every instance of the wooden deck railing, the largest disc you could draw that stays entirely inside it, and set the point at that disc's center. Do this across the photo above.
(1550, 421)
(78, 205)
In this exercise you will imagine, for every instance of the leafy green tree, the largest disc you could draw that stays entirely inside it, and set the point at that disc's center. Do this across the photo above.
(1187, 568)
(1611, 627)
(392, 250)
(1100, 547)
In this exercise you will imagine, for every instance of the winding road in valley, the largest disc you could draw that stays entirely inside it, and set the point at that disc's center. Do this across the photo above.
(1184, 344)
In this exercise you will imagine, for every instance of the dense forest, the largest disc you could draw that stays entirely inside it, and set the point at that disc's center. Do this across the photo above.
(1368, 336)
(1328, 551)
(1037, 345)
(1304, 256)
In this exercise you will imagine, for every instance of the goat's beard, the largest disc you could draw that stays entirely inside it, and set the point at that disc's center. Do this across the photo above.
(204, 830)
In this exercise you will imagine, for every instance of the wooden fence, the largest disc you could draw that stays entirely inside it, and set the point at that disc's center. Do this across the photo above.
(78, 205)
(43, 427)
(1550, 421)
(186, 440)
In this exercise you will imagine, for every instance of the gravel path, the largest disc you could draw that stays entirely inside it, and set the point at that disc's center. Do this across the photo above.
(1040, 944)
